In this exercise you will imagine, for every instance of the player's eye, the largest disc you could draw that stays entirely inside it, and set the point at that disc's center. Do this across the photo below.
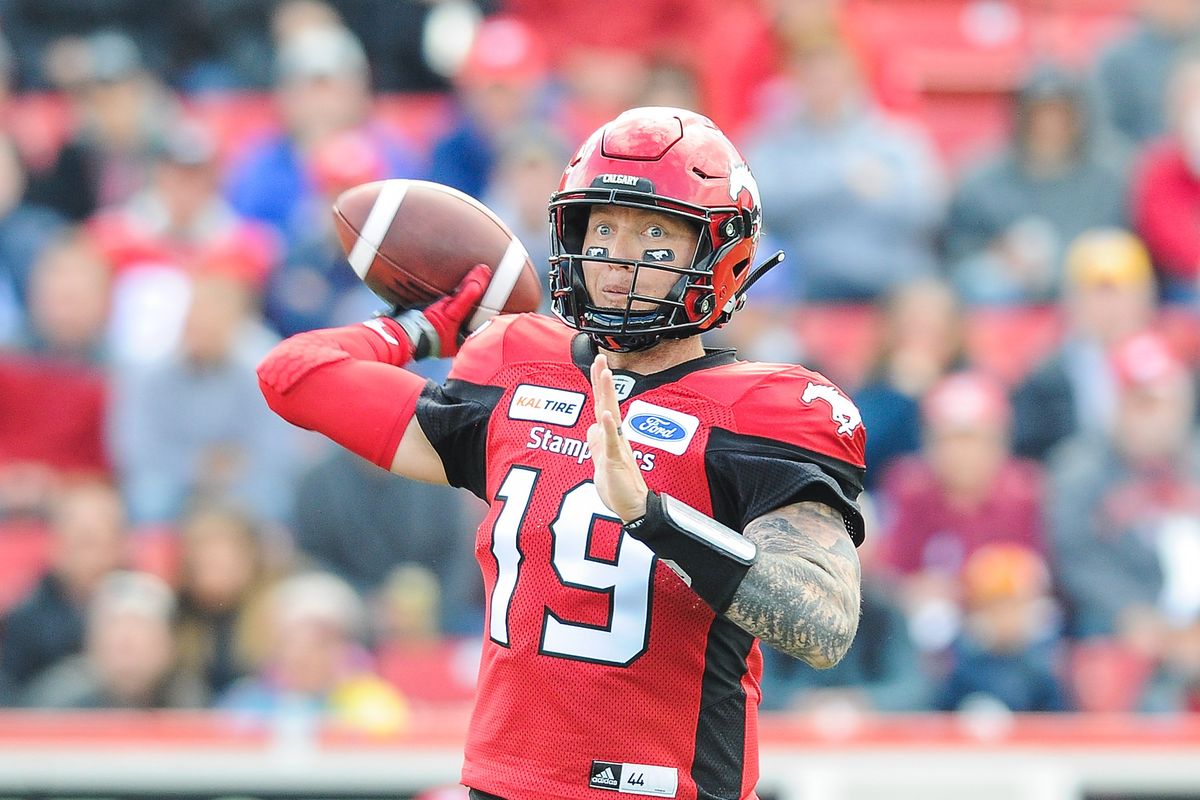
(655, 232)
(604, 229)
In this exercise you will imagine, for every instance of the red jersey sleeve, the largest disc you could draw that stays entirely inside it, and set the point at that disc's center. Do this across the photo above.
(797, 437)
(807, 410)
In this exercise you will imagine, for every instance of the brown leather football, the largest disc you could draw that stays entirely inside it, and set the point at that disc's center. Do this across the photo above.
(412, 242)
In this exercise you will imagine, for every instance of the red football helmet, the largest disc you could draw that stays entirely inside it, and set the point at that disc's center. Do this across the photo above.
(672, 161)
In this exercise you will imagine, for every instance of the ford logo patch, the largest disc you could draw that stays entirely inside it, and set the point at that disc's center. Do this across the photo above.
(657, 427)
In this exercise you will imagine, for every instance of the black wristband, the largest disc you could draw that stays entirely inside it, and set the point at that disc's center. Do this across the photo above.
(421, 333)
(712, 558)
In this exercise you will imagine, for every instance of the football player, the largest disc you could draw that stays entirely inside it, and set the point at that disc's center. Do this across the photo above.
(656, 508)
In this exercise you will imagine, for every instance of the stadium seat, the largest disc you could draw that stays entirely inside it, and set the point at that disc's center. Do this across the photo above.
(156, 549)
(419, 118)
(40, 123)
(842, 341)
(1106, 676)
(1009, 342)
(236, 119)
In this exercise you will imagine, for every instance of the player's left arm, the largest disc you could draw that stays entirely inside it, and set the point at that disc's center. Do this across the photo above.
(802, 593)
(790, 578)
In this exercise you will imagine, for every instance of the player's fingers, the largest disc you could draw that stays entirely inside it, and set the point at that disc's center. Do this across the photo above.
(604, 389)
(470, 290)
(614, 441)
(600, 401)
(595, 438)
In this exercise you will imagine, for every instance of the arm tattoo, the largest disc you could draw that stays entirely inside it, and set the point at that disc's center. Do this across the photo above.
(802, 594)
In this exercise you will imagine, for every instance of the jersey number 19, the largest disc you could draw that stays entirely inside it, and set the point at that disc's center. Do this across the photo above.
(625, 579)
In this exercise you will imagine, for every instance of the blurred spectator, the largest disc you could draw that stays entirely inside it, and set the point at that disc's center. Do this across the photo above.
(346, 521)
(964, 491)
(123, 111)
(1108, 296)
(411, 43)
(1126, 523)
(194, 426)
(129, 658)
(68, 302)
(176, 226)
(316, 665)
(35, 27)
(590, 42)
(1132, 73)
(220, 46)
(322, 87)
(499, 85)
(315, 286)
(87, 521)
(528, 169)
(672, 82)
(414, 656)
(853, 197)
(53, 394)
(25, 229)
(1009, 650)
(882, 670)
(1166, 187)
(1126, 505)
(923, 340)
(1013, 214)
(292, 17)
(222, 583)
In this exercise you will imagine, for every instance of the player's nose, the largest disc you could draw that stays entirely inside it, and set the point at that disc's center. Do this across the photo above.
(625, 248)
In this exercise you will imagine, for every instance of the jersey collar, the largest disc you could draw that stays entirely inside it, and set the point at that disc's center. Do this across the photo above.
(583, 352)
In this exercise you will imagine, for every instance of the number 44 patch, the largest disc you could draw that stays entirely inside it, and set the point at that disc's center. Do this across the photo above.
(634, 778)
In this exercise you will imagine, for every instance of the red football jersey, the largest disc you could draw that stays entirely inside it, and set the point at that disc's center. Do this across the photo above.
(601, 669)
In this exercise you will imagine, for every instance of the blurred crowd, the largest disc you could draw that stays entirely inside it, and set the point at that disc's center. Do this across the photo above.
(1008, 289)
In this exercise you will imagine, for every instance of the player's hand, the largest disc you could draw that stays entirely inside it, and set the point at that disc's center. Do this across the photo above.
(437, 331)
(618, 479)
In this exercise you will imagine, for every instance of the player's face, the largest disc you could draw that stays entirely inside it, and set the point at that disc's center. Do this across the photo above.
(635, 233)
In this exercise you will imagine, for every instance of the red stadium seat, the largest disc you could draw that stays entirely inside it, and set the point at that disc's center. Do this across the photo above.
(1106, 676)
(156, 549)
(1009, 342)
(419, 118)
(842, 341)
(40, 123)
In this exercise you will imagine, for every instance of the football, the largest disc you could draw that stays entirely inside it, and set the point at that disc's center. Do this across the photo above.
(412, 242)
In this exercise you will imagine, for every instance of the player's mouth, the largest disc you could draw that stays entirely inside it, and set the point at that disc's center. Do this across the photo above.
(614, 297)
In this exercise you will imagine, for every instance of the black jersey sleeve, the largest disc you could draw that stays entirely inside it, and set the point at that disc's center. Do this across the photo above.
(454, 418)
(749, 476)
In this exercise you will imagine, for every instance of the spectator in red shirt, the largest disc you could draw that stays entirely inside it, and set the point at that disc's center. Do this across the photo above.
(1166, 188)
(965, 490)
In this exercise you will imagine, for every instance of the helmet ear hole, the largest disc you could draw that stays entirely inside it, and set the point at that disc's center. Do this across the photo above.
(740, 268)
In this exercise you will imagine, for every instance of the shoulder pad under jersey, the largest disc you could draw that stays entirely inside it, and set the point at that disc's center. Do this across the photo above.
(803, 408)
(510, 339)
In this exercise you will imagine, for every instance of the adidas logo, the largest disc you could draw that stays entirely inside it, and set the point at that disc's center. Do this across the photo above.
(605, 775)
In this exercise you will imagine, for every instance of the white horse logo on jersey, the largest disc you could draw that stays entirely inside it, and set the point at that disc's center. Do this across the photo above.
(845, 413)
